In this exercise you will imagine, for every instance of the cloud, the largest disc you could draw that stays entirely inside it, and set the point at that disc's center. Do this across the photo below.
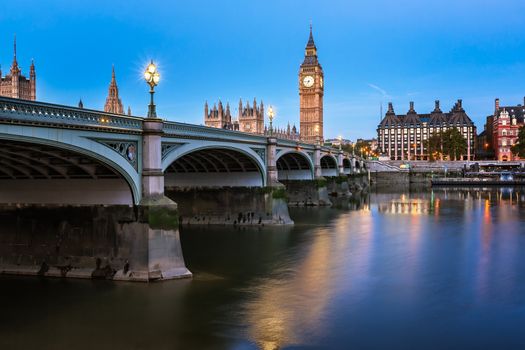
(380, 90)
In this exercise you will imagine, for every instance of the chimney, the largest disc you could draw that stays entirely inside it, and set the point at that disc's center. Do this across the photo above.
(460, 104)
(496, 104)
(437, 109)
(411, 107)
(390, 108)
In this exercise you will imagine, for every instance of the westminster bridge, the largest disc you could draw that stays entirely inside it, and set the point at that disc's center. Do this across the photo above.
(83, 191)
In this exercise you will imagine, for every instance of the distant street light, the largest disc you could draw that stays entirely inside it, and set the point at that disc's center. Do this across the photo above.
(152, 77)
(271, 114)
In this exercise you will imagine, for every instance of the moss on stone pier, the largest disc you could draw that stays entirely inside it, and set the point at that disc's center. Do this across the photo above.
(161, 217)
(320, 183)
(279, 193)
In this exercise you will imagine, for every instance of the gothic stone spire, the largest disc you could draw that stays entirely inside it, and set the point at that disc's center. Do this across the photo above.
(14, 66)
(113, 102)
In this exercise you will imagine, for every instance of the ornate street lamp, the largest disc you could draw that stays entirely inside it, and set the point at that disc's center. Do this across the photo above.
(152, 77)
(340, 138)
(271, 114)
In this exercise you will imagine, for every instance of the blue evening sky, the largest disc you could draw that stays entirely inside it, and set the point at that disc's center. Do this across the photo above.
(372, 52)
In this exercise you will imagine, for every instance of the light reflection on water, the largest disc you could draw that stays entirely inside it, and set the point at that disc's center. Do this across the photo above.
(432, 270)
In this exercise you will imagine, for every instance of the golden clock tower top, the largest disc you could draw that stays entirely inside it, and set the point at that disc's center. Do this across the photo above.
(311, 91)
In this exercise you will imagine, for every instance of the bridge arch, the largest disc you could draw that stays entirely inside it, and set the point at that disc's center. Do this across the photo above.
(329, 165)
(213, 165)
(70, 169)
(294, 165)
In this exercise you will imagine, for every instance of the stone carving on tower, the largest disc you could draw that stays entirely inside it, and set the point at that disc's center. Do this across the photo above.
(218, 117)
(16, 85)
(311, 91)
(251, 118)
(113, 102)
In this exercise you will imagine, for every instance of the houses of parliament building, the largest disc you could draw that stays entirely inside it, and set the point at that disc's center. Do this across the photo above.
(250, 118)
(16, 85)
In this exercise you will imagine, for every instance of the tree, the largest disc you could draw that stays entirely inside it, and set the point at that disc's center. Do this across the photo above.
(519, 147)
(361, 147)
(454, 144)
(434, 145)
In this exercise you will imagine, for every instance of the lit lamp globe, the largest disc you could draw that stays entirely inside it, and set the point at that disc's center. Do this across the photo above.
(152, 77)
(271, 115)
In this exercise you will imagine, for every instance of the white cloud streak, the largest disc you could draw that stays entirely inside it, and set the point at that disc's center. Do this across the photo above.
(380, 90)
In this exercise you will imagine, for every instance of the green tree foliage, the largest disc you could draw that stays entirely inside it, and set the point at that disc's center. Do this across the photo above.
(454, 144)
(434, 145)
(519, 147)
(450, 144)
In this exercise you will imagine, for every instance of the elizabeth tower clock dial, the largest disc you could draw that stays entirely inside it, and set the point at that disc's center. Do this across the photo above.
(308, 81)
(311, 91)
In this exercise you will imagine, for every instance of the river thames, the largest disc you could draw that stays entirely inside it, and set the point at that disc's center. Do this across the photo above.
(432, 270)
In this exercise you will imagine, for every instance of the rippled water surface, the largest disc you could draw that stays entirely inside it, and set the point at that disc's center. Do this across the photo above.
(441, 270)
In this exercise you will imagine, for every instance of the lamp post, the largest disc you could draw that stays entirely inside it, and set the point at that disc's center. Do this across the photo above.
(152, 77)
(340, 138)
(271, 114)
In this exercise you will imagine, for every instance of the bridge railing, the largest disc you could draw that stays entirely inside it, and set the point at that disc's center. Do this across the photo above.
(191, 130)
(29, 112)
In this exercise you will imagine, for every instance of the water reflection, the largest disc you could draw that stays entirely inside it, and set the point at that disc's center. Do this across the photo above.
(412, 269)
(290, 306)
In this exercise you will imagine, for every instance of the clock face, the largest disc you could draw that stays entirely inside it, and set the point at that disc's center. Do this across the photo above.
(321, 81)
(308, 81)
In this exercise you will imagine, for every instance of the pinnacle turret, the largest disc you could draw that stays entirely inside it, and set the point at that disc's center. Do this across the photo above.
(113, 101)
(14, 66)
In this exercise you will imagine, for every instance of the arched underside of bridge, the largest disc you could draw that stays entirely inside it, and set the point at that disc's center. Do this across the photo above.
(347, 166)
(32, 173)
(328, 166)
(214, 167)
(294, 166)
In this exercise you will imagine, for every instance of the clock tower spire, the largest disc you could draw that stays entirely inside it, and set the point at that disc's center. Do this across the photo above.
(311, 91)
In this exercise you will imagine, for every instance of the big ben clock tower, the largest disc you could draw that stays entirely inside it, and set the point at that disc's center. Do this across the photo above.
(311, 90)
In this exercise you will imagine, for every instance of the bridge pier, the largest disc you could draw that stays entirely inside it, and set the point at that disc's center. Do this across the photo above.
(116, 242)
(236, 206)
(152, 175)
(340, 163)
(158, 252)
(271, 163)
